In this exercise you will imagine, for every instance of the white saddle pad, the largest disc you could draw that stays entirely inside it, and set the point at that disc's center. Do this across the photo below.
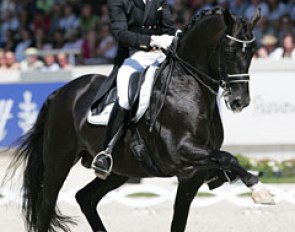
(144, 101)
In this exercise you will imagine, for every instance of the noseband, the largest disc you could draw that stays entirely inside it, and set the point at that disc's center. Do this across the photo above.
(224, 77)
(200, 76)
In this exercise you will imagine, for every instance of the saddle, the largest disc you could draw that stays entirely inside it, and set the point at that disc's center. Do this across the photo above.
(139, 93)
(135, 83)
(139, 98)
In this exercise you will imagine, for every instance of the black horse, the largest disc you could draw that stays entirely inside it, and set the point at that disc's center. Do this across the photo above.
(185, 140)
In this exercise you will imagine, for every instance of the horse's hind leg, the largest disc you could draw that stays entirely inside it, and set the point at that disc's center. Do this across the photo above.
(91, 194)
(57, 167)
(186, 192)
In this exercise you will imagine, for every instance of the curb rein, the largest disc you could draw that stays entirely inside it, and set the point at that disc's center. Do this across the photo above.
(224, 78)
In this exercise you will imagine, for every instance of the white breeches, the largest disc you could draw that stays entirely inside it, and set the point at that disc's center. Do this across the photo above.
(138, 62)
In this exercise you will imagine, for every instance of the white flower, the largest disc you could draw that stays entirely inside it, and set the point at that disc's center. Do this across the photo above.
(5, 115)
(28, 112)
(271, 163)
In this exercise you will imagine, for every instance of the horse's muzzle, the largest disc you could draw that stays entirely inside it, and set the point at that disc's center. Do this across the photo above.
(238, 104)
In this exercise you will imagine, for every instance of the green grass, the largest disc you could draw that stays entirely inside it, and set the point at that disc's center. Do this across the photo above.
(151, 195)
(204, 194)
(278, 180)
(143, 195)
(245, 194)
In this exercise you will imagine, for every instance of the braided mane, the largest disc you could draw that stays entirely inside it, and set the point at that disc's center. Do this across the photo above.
(209, 12)
(198, 17)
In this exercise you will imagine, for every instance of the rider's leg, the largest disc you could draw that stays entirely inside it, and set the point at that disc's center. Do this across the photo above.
(136, 63)
(118, 118)
(102, 163)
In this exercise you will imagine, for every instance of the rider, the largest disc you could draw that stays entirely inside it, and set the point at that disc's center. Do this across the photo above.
(144, 27)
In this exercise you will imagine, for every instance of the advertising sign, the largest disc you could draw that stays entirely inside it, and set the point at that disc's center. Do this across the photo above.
(19, 107)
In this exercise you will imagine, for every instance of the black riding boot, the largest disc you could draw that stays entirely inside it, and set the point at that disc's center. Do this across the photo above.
(102, 163)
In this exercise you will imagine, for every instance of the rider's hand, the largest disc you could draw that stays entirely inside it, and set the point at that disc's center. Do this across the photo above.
(178, 33)
(161, 41)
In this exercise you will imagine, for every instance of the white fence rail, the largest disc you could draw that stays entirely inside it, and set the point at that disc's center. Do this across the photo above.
(134, 196)
(267, 125)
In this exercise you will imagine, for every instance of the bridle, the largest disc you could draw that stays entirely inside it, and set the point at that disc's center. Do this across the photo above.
(225, 79)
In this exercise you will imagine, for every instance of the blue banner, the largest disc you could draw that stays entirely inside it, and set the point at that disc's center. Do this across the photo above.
(19, 107)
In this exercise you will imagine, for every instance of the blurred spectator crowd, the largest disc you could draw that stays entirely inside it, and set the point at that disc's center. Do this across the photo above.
(30, 26)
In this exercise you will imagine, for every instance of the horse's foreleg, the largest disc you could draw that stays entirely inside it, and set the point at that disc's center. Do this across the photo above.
(207, 159)
(230, 162)
(92, 193)
(260, 194)
(186, 192)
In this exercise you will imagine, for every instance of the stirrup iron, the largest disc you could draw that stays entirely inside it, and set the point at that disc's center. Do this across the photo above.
(102, 174)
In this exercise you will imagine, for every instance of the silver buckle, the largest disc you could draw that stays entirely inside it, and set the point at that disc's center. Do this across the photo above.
(108, 156)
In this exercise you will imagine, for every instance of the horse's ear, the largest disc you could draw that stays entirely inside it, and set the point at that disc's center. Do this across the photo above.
(255, 18)
(228, 18)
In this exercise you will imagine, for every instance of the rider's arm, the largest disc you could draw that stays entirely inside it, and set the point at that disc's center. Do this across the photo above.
(119, 26)
(168, 26)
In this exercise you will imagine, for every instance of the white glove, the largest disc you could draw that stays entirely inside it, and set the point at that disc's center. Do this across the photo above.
(178, 32)
(161, 41)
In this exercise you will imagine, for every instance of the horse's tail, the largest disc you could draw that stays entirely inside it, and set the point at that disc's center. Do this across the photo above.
(31, 150)
(30, 153)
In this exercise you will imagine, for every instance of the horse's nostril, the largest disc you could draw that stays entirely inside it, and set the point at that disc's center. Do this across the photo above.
(237, 103)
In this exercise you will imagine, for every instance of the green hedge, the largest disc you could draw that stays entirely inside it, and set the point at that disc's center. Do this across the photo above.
(268, 167)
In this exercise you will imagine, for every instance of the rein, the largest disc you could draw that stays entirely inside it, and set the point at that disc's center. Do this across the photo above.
(224, 78)
(194, 71)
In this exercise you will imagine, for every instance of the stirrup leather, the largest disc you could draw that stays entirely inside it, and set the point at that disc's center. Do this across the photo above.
(106, 154)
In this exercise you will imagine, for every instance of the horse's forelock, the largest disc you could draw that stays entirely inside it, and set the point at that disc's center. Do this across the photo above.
(241, 27)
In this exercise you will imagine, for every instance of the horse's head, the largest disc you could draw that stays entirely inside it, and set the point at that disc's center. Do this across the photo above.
(235, 54)
(221, 45)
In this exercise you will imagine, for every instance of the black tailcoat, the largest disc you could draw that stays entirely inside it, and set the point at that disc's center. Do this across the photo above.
(133, 23)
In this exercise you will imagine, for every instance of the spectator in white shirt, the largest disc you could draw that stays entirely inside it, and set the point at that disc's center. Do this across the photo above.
(10, 61)
(285, 26)
(63, 61)
(69, 21)
(50, 64)
(31, 63)
(25, 42)
(269, 43)
(107, 48)
(286, 51)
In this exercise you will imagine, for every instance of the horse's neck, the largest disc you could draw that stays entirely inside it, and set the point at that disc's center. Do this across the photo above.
(200, 41)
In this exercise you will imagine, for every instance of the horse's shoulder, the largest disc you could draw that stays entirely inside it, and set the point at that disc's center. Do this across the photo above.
(84, 81)
(89, 78)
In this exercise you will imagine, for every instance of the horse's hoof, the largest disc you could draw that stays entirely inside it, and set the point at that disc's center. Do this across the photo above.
(263, 196)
